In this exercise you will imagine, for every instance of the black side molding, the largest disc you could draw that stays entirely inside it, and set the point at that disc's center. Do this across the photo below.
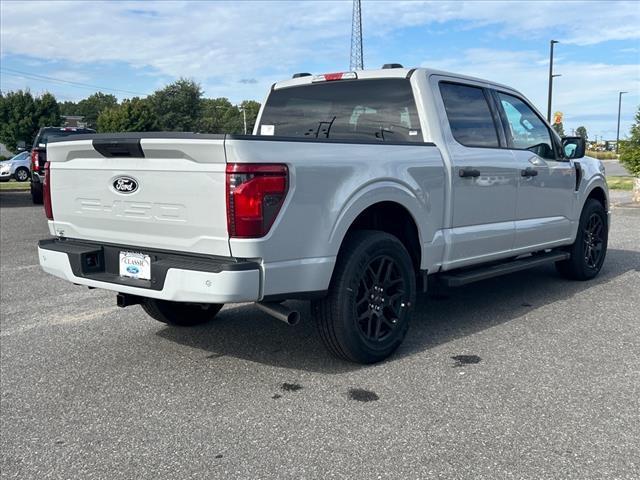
(118, 147)
(578, 175)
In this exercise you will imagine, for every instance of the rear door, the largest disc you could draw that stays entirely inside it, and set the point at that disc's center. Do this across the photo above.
(484, 177)
(143, 190)
(546, 191)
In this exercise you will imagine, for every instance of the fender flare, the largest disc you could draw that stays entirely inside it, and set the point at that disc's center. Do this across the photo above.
(595, 182)
(370, 194)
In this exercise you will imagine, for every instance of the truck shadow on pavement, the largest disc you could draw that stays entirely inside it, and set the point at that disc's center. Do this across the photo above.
(245, 332)
(16, 199)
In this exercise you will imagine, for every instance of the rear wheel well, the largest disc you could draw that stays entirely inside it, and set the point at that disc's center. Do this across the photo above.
(394, 219)
(598, 194)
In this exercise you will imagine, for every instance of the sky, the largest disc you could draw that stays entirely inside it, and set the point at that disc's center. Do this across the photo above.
(238, 49)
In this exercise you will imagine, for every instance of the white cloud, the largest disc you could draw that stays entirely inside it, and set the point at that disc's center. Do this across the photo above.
(208, 39)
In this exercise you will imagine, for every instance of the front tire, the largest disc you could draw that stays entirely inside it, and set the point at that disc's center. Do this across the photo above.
(366, 314)
(180, 314)
(590, 247)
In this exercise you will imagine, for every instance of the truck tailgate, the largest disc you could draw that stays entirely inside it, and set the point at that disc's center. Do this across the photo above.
(158, 192)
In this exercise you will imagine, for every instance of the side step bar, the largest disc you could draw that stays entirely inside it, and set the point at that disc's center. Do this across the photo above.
(462, 277)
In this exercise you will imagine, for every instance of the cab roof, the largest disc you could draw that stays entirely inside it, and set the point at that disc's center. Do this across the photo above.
(387, 73)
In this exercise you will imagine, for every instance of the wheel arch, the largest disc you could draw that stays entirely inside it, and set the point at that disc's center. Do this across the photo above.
(393, 210)
(598, 193)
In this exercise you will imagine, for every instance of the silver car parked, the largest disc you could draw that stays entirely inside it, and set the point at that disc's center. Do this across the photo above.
(16, 167)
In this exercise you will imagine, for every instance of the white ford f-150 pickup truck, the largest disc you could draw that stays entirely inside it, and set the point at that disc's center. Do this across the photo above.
(352, 190)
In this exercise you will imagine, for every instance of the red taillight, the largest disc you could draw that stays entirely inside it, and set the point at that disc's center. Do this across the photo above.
(46, 191)
(35, 162)
(255, 194)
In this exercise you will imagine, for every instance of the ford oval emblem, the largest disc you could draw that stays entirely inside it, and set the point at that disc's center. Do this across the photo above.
(125, 185)
(133, 269)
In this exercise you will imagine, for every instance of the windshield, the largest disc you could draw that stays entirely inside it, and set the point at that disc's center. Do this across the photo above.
(17, 158)
(378, 110)
(20, 156)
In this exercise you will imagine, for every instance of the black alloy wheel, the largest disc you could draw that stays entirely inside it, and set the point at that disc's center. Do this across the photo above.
(381, 302)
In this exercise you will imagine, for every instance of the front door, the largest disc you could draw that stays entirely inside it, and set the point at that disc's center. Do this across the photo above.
(546, 190)
(484, 177)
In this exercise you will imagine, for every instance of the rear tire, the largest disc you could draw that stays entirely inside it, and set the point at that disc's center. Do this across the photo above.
(180, 314)
(590, 247)
(36, 194)
(21, 174)
(366, 314)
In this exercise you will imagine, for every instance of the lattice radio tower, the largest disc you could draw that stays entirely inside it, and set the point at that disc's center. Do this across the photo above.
(356, 62)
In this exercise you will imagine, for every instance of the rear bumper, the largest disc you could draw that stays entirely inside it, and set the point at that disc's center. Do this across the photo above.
(175, 276)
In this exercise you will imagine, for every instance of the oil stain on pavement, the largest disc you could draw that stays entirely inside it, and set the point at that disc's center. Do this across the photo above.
(462, 360)
(362, 395)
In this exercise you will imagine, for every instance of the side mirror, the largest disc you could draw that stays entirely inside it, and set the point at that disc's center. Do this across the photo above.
(573, 147)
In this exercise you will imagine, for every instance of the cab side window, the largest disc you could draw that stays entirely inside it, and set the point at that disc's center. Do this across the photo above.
(526, 129)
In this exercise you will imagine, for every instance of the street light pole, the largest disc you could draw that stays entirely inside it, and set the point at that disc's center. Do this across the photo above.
(618, 131)
(551, 75)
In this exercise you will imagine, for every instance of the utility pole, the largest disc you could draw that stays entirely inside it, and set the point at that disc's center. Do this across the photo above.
(357, 61)
(618, 131)
(244, 119)
(551, 75)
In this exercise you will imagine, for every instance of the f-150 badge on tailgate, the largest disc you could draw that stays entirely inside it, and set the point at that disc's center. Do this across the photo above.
(125, 185)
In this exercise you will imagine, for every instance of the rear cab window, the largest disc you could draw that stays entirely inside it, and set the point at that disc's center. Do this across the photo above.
(381, 110)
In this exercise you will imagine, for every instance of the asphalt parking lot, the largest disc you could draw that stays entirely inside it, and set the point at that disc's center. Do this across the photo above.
(525, 376)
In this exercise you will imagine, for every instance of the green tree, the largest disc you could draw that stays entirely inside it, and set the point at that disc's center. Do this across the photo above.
(234, 118)
(21, 115)
(630, 155)
(559, 128)
(212, 114)
(177, 106)
(47, 111)
(68, 108)
(92, 106)
(582, 132)
(135, 115)
(17, 110)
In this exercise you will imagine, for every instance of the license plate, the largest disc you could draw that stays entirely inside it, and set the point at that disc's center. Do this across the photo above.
(135, 265)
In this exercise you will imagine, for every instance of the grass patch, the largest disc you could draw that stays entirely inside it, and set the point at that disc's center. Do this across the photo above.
(601, 155)
(13, 185)
(620, 183)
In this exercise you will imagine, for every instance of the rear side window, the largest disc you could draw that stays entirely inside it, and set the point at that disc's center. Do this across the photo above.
(469, 115)
(381, 110)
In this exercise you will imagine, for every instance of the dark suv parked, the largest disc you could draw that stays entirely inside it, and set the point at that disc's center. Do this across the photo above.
(39, 155)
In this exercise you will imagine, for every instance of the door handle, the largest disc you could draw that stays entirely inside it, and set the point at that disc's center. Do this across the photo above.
(528, 172)
(469, 172)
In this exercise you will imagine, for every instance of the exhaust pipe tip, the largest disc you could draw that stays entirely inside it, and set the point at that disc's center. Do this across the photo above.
(293, 318)
(280, 312)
